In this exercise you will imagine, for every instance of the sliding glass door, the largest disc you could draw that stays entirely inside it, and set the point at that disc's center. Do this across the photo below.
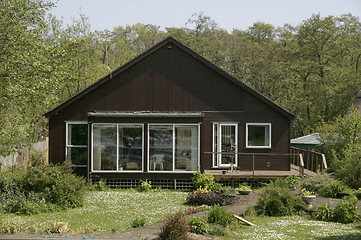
(173, 147)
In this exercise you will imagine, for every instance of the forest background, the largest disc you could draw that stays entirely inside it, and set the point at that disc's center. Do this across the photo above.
(312, 69)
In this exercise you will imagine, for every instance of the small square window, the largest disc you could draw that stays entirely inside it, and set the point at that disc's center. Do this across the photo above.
(258, 135)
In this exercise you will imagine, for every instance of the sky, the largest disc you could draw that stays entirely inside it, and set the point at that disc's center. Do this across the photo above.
(228, 14)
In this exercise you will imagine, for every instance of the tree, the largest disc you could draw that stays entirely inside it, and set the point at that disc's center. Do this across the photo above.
(323, 71)
(27, 82)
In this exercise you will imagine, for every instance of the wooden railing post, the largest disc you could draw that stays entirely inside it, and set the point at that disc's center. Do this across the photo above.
(302, 166)
(324, 162)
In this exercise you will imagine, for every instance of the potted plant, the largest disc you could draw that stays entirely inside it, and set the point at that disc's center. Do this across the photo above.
(244, 189)
(307, 196)
(228, 190)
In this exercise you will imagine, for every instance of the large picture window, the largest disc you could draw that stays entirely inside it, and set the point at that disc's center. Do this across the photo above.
(173, 147)
(117, 147)
(77, 143)
(225, 140)
(258, 135)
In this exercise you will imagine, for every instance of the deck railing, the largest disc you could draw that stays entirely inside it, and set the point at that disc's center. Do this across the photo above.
(313, 161)
(304, 159)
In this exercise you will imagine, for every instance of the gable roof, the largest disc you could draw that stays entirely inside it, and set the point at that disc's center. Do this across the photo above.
(188, 51)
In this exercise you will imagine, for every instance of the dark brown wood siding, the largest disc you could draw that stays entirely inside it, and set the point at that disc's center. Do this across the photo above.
(171, 79)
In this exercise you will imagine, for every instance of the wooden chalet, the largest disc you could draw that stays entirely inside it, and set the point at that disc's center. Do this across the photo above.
(162, 116)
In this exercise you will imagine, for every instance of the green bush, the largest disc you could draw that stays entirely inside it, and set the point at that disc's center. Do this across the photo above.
(347, 167)
(58, 185)
(217, 230)
(325, 185)
(219, 215)
(250, 211)
(145, 186)
(138, 222)
(317, 182)
(323, 213)
(346, 210)
(175, 227)
(278, 201)
(101, 185)
(198, 225)
(40, 189)
(358, 193)
(202, 180)
(287, 182)
(331, 189)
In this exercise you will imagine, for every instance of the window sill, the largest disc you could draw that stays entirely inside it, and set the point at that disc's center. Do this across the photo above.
(260, 147)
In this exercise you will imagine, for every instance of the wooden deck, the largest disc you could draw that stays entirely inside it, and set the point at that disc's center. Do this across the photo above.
(295, 171)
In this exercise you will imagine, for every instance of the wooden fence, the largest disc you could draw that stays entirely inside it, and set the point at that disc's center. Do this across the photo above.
(21, 158)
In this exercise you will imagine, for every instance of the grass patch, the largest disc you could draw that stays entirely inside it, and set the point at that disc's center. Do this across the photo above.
(102, 212)
(295, 227)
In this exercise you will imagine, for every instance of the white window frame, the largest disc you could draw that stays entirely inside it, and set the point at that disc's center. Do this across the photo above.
(173, 148)
(67, 145)
(269, 134)
(117, 163)
(217, 158)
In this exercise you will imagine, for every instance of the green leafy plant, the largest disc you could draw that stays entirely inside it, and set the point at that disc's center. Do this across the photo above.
(217, 230)
(278, 201)
(244, 187)
(347, 167)
(101, 185)
(292, 181)
(346, 210)
(145, 186)
(202, 180)
(358, 193)
(250, 211)
(198, 225)
(138, 222)
(331, 189)
(323, 212)
(219, 215)
(175, 227)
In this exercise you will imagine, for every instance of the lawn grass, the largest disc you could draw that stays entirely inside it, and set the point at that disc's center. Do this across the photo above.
(102, 212)
(295, 227)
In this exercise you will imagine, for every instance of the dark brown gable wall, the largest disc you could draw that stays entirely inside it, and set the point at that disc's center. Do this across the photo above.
(169, 80)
